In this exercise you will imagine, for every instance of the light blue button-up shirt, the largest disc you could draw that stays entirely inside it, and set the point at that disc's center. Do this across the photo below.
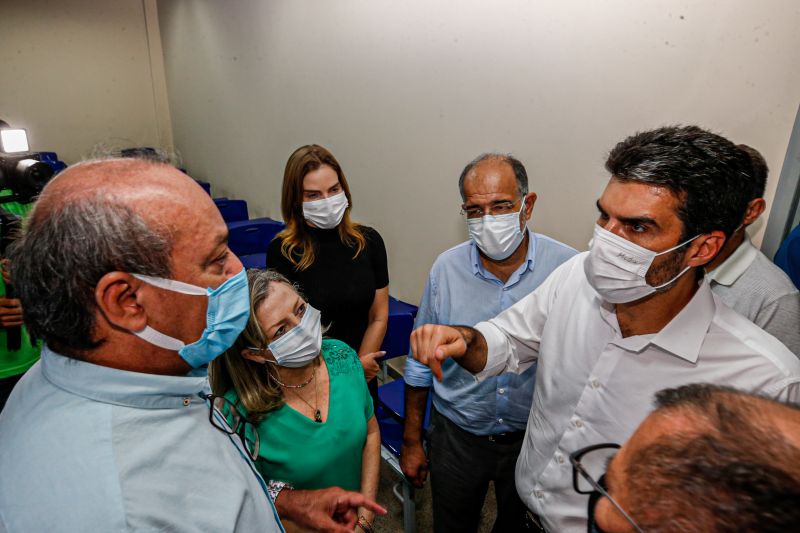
(460, 291)
(90, 448)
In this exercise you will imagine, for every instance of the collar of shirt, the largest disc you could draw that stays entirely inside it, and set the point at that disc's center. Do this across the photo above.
(682, 336)
(530, 259)
(733, 267)
(120, 387)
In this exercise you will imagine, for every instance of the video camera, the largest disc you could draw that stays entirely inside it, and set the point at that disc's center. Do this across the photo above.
(25, 174)
(21, 170)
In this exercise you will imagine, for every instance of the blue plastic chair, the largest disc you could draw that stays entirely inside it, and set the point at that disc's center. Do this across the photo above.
(254, 260)
(248, 237)
(391, 408)
(788, 256)
(205, 185)
(232, 210)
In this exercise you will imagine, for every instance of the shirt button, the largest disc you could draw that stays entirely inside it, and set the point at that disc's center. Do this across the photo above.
(186, 402)
(560, 458)
(539, 494)
(595, 384)
(499, 420)
(501, 391)
(578, 423)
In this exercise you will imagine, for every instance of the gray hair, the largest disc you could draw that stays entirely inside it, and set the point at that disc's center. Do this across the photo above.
(61, 255)
(519, 171)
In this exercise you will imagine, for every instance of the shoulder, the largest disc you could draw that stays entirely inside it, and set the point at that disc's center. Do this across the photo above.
(548, 245)
(340, 357)
(370, 234)
(767, 276)
(457, 255)
(754, 340)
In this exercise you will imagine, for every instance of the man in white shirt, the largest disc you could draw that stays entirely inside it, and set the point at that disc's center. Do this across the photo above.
(612, 326)
(746, 280)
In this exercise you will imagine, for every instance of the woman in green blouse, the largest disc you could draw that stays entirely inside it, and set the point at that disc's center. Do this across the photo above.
(306, 395)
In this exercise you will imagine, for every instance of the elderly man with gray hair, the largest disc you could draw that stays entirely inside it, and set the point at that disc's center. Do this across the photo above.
(125, 273)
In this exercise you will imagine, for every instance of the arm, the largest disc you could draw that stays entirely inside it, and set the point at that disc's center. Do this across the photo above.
(781, 318)
(376, 329)
(431, 344)
(370, 467)
(332, 509)
(413, 461)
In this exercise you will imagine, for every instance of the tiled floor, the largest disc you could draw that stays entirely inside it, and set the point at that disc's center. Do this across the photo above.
(393, 522)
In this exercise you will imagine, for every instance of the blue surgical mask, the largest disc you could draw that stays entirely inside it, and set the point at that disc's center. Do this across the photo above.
(226, 317)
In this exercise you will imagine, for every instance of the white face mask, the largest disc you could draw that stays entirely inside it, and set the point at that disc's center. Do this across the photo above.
(298, 346)
(497, 236)
(326, 213)
(617, 268)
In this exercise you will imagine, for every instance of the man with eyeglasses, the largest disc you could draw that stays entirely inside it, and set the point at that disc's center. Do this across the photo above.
(709, 458)
(125, 273)
(476, 429)
(612, 326)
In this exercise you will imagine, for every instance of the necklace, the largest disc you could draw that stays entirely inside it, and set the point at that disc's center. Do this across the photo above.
(317, 413)
(298, 386)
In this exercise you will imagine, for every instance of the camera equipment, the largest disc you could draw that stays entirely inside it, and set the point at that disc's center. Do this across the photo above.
(25, 174)
(21, 171)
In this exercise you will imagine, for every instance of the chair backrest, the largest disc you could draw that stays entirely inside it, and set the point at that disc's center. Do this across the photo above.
(232, 210)
(788, 256)
(252, 236)
(254, 260)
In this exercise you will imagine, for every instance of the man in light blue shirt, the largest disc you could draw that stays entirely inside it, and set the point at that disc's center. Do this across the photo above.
(113, 430)
(477, 428)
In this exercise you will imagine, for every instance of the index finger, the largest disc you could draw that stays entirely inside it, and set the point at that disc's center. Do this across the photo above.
(436, 367)
(354, 499)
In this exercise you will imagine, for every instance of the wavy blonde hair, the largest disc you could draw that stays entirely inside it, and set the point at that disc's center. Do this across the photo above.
(257, 390)
(297, 245)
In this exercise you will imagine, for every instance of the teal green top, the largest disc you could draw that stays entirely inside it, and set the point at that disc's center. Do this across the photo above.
(13, 363)
(312, 455)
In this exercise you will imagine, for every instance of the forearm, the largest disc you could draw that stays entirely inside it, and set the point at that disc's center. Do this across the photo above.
(370, 466)
(373, 337)
(415, 401)
(474, 359)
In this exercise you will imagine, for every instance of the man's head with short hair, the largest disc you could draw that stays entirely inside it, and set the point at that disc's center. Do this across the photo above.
(93, 226)
(516, 165)
(709, 458)
(707, 173)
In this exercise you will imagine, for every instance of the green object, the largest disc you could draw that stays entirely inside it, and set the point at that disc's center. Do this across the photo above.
(311, 455)
(13, 363)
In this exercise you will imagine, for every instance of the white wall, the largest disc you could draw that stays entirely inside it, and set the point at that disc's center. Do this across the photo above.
(77, 75)
(406, 93)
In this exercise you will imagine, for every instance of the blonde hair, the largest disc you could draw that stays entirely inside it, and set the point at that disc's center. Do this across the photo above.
(256, 388)
(297, 245)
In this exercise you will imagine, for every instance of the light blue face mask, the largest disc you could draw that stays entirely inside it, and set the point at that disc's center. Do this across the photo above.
(226, 317)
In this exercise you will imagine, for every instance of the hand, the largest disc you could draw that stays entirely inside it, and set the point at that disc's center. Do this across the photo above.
(10, 312)
(371, 366)
(334, 509)
(431, 344)
(414, 463)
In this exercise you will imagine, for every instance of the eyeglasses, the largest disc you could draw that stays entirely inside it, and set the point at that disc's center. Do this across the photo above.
(500, 208)
(224, 416)
(588, 466)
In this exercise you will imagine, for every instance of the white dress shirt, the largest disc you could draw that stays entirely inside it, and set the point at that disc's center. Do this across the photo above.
(594, 386)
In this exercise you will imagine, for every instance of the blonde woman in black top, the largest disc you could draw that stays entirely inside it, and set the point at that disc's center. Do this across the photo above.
(340, 265)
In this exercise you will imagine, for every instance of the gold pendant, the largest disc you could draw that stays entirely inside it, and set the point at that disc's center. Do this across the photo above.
(317, 416)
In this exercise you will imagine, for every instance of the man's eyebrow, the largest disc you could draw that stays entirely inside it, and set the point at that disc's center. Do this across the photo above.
(222, 240)
(630, 220)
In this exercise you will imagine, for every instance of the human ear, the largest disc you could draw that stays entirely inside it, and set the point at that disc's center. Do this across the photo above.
(705, 248)
(116, 297)
(255, 356)
(529, 200)
(755, 209)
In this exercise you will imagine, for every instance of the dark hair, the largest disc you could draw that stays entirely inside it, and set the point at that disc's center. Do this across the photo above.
(758, 170)
(516, 165)
(733, 471)
(707, 173)
(63, 252)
